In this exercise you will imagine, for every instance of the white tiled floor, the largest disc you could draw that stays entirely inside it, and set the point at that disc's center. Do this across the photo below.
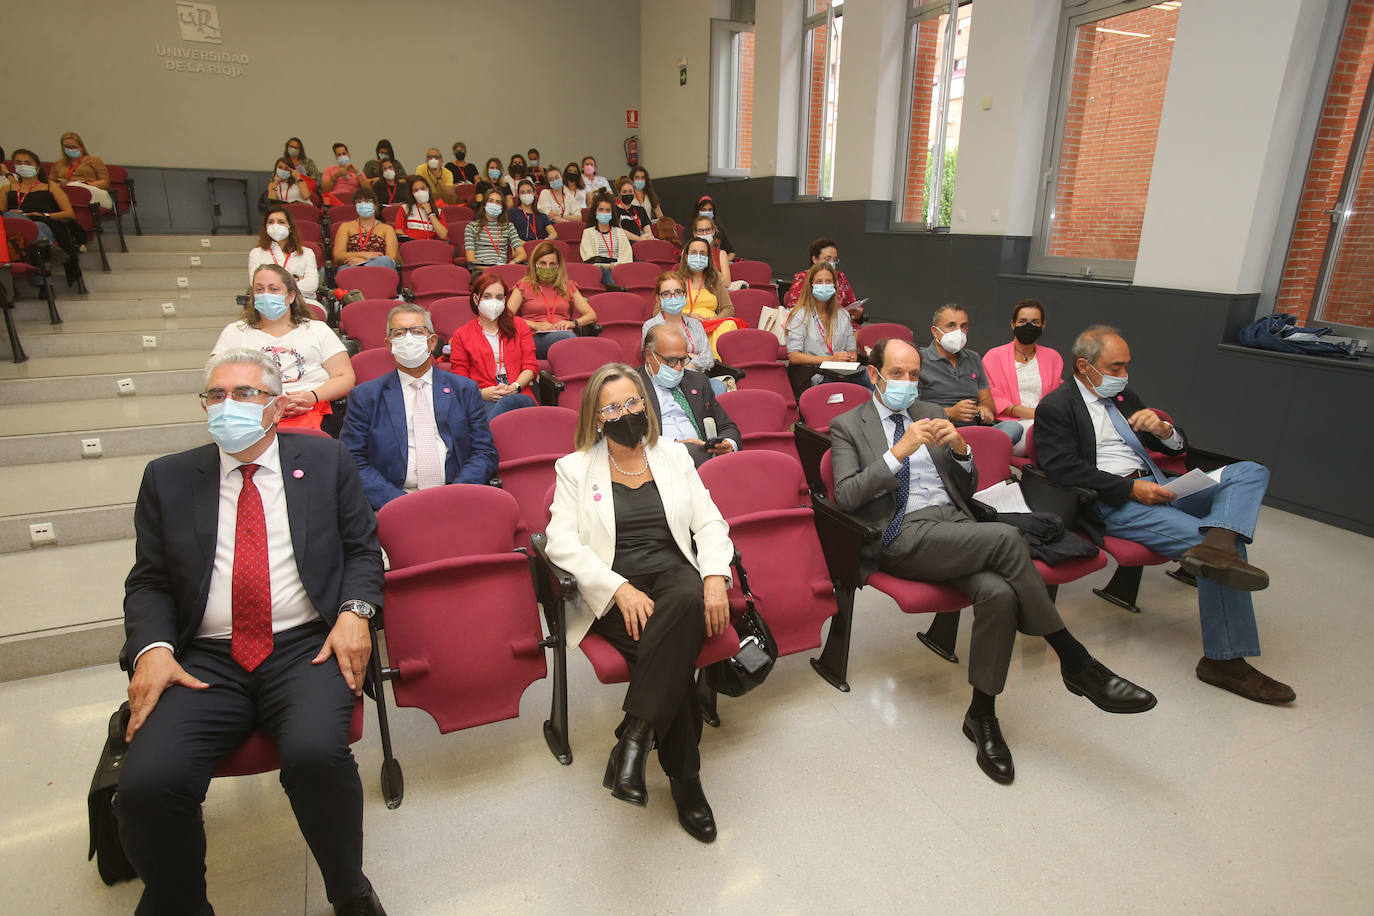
(862, 802)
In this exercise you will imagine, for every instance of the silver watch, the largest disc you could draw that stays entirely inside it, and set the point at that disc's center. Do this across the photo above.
(361, 608)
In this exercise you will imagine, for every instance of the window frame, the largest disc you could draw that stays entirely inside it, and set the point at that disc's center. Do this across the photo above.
(919, 11)
(724, 117)
(1073, 16)
(810, 21)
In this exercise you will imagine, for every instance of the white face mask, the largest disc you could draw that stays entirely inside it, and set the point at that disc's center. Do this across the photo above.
(527, 199)
(491, 309)
(953, 341)
(278, 232)
(422, 196)
(389, 174)
(410, 351)
(434, 163)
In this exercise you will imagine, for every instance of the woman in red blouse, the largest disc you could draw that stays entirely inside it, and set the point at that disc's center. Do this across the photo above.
(546, 299)
(495, 349)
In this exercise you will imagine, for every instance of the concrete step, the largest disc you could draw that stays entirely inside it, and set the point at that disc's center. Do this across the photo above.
(194, 260)
(66, 486)
(115, 441)
(190, 244)
(88, 525)
(61, 341)
(62, 387)
(53, 367)
(203, 278)
(119, 324)
(57, 621)
(99, 413)
(136, 304)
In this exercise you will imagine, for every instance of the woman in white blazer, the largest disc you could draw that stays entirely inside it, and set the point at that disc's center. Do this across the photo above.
(651, 553)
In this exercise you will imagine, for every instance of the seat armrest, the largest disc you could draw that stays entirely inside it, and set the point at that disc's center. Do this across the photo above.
(1201, 459)
(842, 537)
(564, 581)
(1038, 477)
(549, 388)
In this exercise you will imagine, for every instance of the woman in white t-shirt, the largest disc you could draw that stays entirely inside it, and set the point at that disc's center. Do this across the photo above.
(279, 242)
(593, 181)
(314, 364)
(558, 201)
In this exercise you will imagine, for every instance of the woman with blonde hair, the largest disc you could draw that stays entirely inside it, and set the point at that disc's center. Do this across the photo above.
(818, 330)
(546, 298)
(78, 167)
(633, 523)
(708, 300)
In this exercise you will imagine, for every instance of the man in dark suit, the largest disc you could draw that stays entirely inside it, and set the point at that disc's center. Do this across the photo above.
(417, 427)
(1097, 434)
(256, 570)
(683, 397)
(902, 466)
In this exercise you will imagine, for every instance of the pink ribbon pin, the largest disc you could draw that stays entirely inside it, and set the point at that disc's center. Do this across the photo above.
(694, 391)
(447, 391)
(596, 498)
(298, 473)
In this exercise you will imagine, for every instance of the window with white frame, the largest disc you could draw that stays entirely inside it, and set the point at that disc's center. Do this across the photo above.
(821, 32)
(732, 99)
(932, 110)
(1112, 66)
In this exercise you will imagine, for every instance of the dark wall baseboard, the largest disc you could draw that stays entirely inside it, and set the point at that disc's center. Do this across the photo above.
(1296, 415)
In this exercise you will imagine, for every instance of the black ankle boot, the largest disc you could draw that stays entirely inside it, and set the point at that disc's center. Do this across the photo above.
(693, 811)
(625, 769)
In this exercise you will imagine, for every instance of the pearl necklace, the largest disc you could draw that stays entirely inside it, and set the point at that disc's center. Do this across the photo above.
(639, 473)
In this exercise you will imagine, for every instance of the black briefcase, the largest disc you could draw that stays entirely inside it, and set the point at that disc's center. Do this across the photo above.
(101, 804)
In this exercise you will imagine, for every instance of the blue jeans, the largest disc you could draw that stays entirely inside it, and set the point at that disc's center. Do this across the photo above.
(717, 386)
(1228, 615)
(508, 403)
(44, 230)
(1011, 428)
(545, 339)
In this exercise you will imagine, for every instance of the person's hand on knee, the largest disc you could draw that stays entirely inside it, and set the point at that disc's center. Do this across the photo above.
(154, 672)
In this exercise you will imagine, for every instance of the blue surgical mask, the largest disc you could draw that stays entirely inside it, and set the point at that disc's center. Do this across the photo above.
(673, 305)
(697, 261)
(283, 174)
(709, 214)
(1111, 385)
(236, 425)
(344, 161)
(822, 292)
(24, 170)
(639, 184)
(534, 164)
(898, 394)
(555, 184)
(72, 153)
(270, 305)
(493, 174)
(668, 377)
(603, 218)
(366, 209)
(492, 210)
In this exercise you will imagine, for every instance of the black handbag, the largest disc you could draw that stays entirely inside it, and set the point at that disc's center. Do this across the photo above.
(101, 802)
(749, 667)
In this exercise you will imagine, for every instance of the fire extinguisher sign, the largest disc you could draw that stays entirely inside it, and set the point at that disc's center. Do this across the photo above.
(632, 119)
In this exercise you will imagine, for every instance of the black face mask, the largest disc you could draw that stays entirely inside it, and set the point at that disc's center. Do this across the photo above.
(626, 199)
(628, 430)
(460, 155)
(570, 179)
(517, 171)
(1027, 333)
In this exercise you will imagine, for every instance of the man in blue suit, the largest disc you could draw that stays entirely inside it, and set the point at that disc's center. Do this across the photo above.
(417, 427)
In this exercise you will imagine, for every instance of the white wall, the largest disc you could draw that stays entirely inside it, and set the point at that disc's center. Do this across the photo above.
(866, 119)
(777, 86)
(321, 70)
(674, 118)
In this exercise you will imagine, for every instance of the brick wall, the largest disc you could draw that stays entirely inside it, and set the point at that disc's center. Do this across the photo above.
(930, 39)
(1348, 301)
(1111, 124)
(744, 153)
(815, 120)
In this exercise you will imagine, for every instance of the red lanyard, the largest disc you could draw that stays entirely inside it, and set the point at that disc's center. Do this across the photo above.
(639, 224)
(610, 245)
(549, 309)
(363, 240)
(824, 339)
(692, 300)
(283, 264)
(20, 195)
(486, 227)
(71, 172)
(562, 200)
(643, 201)
(532, 223)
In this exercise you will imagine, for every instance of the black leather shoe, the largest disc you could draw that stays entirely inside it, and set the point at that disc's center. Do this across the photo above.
(693, 811)
(994, 757)
(360, 906)
(1107, 691)
(625, 769)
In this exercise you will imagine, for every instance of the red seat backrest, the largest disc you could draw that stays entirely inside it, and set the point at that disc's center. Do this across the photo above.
(818, 405)
(81, 206)
(310, 232)
(579, 357)
(372, 282)
(510, 274)
(317, 249)
(372, 363)
(571, 233)
(748, 347)
(534, 431)
(304, 213)
(656, 251)
(636, 274)
(450, 313)
(586, 276)
(457, 213)
(755, 273)
(755, 410)
(869, 334)
(421, 252)
(446, 278)
(365, 321)
(452, 521)
(340, 213)
(618, 306)
(991, 453)
(749, 305)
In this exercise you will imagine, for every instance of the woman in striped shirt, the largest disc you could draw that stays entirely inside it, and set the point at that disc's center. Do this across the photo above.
(490, 239)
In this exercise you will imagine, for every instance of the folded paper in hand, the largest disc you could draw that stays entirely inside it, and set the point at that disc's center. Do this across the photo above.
(1194, 481)
(1004, 496)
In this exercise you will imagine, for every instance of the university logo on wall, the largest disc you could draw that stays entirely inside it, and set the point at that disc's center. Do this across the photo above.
(199, 22)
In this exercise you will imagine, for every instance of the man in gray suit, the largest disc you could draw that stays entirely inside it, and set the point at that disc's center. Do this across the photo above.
(902, 466)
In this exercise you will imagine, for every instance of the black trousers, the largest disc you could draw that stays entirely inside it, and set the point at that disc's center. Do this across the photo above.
(991, 564)
(663, 664)
(306, 709)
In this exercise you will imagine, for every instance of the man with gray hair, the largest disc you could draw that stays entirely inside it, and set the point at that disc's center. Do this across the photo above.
(256, 571)
(417, 427)
(1098, 434)
(686, 406)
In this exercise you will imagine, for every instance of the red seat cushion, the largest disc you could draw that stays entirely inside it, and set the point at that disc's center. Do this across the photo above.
(610, 666)
(918, 597)
(1129, 553)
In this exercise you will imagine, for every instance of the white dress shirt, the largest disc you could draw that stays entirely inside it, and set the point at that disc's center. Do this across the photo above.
(408, 394)
(926, 488)
(1114, 455)
(676, 423)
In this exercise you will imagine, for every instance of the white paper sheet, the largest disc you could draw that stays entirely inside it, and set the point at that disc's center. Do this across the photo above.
(1195, 481)
(1004, 496)
(837, 366)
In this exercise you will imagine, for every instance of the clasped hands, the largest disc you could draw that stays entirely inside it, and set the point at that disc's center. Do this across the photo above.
(930, 433)
(968, 411)
(637, 607)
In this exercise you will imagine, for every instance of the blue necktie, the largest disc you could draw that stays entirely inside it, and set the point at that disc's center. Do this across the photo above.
(903, 485)
(1128, 435)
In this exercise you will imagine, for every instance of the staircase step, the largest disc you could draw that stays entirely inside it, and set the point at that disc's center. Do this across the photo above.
(65, 486)
(178, 260)
(119, 323)
(53, 620)
(102, 413)
(87, 525)
(79, 343)
(121, 364)
(202, 278)
(55, 389)
(191, 244)
(161, 439)
(136, 304)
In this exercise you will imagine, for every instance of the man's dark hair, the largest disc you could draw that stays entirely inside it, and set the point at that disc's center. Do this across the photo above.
(877, 355)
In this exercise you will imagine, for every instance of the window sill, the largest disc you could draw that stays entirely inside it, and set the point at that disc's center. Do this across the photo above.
(1361, 365)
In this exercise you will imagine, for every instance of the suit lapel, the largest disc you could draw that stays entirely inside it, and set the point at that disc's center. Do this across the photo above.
(658, 463)
(394, 407)
(1083, 423)
(206, 500)
(599, 486)
(443, 401)
(873, 429)
(297, 489)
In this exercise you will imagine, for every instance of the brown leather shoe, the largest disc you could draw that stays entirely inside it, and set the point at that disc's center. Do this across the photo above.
(1240, 677)
(1226, 567)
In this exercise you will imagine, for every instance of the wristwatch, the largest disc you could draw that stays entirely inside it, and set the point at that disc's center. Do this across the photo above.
(361, 608)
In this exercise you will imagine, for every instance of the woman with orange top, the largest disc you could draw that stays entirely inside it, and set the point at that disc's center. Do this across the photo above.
(707, 298)
(546, 298)
(495, 349)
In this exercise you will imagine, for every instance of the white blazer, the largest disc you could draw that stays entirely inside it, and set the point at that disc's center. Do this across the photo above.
(582, 525)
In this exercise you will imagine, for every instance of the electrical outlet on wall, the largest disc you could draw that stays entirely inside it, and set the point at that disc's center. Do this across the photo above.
(42, 533)
(125, 386)
(149, 341)
(204, 243)
(183, 282)
(169, 309)
(91, 448)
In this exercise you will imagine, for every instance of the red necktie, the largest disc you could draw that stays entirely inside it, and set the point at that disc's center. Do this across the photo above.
(251, 594)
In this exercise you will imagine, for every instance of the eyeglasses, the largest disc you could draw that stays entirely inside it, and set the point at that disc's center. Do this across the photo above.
(400, 333)
(612, 412)
(242, 393)
(672, 362)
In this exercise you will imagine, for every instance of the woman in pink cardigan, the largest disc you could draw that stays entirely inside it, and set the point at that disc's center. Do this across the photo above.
(1020, 373)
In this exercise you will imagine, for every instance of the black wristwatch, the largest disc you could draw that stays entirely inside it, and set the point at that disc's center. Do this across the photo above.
(361, 608)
